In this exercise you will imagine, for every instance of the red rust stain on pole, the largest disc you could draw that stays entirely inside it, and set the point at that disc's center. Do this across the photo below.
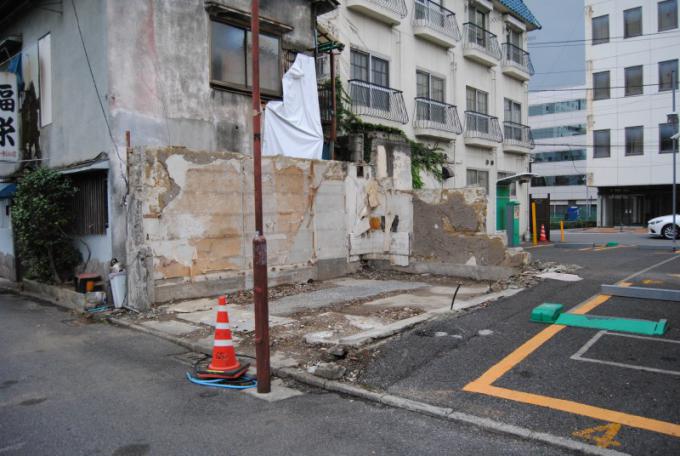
(259, 242)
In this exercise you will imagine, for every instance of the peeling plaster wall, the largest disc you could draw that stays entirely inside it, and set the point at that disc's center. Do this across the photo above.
(191, 221)
(450, 226)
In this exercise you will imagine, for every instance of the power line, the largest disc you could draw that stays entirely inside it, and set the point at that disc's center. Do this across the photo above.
(99, 99)
(556, 43)
(599, 88)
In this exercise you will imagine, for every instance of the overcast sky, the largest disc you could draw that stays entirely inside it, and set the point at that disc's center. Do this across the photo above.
(561, 20)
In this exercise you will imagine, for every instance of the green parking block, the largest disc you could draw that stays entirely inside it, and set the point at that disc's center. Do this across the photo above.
(552, 313)
(611, 244)
(546, 313)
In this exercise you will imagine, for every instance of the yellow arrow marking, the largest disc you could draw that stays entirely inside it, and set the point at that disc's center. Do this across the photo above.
(603, 436)
(652, 282)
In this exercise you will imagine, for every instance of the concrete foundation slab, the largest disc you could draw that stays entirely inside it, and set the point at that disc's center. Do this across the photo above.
(242, 319)
(343, 290)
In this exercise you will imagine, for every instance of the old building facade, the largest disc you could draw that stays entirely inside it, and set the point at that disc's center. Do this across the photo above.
(452, 74)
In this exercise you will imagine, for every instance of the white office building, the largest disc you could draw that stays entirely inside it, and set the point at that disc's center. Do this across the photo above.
(558, 122)
(452, 73)
(632, 52)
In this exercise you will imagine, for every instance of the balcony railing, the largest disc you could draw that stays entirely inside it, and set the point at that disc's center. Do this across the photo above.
(431, 14)
(517, 135)
(435, 115)
(373, 100)
(396, 6)
(483, 126)
(481, 39)
(517, 57)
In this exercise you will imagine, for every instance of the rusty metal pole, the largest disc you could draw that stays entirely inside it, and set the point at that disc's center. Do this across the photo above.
(259, 242)
(334, 114)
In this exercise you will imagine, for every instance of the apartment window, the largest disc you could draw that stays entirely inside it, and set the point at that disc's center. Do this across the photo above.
(363, 64)
(90, 203)
(601, 85)
(230, 56)
(666, 131)
(478, 178)
(560, 156)
(600, 29)
(668, 15)
(633, 80)
(634, 140)
(632, 22)
(512, 111)
(556, 107)
(477, 100)
(601, 144)
(666, 71)
(478, 17)
(431, 88)
(559, 132)
(559, 181)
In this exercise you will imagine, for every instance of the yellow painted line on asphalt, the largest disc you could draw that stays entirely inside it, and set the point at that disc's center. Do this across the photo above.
(528, 347)
(484, 384)
(603, 435)
(577, 408)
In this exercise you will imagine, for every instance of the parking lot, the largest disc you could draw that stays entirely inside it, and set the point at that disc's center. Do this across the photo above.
(611, 389)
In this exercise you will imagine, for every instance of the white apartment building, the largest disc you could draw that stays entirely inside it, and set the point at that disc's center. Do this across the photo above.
(632, 51)
(452, 73)
(558, 123)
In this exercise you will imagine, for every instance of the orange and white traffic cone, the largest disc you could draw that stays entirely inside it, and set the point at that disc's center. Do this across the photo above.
(224, 362)
(543, 236)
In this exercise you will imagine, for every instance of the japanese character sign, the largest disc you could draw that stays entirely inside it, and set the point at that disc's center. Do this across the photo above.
(9, 129)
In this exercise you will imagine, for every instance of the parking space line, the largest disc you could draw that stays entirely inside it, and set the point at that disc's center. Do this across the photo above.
(578, 356)
(484, 384)
(577, 408)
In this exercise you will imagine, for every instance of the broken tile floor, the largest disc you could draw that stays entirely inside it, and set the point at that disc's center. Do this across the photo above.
(353, 313)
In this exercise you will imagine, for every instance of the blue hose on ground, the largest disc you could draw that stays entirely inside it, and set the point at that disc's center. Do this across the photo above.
(216, 383)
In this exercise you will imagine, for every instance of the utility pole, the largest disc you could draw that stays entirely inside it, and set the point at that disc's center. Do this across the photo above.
(260, 292)
(674, 144)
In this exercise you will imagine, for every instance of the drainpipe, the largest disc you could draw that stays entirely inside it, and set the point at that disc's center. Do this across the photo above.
(334, 117)
(260, 291)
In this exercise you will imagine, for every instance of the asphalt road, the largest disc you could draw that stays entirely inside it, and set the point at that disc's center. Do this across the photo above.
(426, 366)
(69, 387)
(622, 237)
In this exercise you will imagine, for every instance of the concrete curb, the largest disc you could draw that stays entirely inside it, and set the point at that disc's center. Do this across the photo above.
(161, 335)
(444, 413)
(395, 401)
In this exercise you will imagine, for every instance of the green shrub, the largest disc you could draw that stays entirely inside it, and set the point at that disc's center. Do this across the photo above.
(41, 215)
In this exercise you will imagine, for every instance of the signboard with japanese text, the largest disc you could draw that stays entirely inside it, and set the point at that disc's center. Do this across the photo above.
(9, 119)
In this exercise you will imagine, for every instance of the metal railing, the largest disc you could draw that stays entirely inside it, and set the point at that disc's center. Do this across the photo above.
(325, 101)
(483, 126)
(479, 38)
(431, 14)
(517, 134)
(396, 6)
(517, 57)
(374, 100)
(436, 115)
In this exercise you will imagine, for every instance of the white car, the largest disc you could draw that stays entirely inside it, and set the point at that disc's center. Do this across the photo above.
(663, 226)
